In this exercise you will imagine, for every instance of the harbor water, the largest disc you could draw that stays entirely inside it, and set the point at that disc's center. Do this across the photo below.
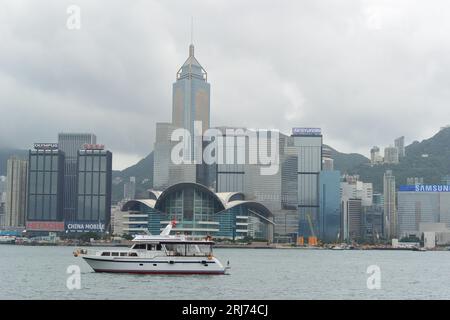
(33, 272)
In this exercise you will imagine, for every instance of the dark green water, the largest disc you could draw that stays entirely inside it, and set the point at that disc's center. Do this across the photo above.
(41, 273)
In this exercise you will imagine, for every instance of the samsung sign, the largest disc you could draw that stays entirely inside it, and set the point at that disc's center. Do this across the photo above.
(82, 226)
(426, 188)
(306, 131)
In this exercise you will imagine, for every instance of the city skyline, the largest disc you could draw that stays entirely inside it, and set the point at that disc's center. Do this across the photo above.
(96, 79)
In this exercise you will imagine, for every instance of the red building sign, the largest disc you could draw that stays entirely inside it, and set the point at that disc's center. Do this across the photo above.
(45, 226)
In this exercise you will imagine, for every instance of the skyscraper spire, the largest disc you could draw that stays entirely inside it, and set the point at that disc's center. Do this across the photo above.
(191, 46)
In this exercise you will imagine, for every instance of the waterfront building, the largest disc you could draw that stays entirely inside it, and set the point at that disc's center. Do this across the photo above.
(352, 209)
(372, 222)
(390, 210)
(129, 189)
(94, 177)
(117, 219)
(356, 197)
(391, 155)
(308, 144)
(70, 143)
(399, 143)
(45, 190)
(198, 211)
(353, 188)
(330, 206)
(423, 205)
(16, 192)
(2, 200)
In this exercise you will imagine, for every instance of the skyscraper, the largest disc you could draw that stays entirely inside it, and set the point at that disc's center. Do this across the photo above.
(390, 211)
(93, 207)
(45, 185)
(2, 200)
(330, 205)
(191, 95)
(190, 104)
(70, 143)
(16, 192)
(399, 143)
(129, 189)
(309, 147)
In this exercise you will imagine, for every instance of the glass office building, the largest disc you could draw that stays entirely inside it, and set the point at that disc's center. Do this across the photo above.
(94, 187)
(70, 143)
(309, 148)
(45, 187)
(330, 205)
(198, 211)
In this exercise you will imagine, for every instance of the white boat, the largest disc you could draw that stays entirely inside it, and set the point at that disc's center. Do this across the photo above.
(7, 240)
(161, 254)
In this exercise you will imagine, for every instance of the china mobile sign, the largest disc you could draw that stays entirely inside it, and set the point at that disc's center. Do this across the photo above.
(83, 226)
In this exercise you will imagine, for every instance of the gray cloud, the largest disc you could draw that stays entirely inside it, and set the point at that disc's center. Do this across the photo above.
(364, 71)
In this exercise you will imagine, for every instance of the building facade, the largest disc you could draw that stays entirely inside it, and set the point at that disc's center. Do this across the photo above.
(391, 155)
(390, 210)
(70, 143)
(198, 211)
(94, 175)
(330, 206)
(46, 189)
(16, 192)
(399, 143)
(422, 204)
(309, 148)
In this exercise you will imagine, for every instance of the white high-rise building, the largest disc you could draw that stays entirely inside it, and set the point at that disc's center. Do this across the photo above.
(391, 155)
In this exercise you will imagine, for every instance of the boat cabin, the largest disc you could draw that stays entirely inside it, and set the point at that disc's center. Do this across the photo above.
(168, 248)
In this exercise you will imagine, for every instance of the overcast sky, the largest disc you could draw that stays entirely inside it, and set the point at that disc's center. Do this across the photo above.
(365, 72)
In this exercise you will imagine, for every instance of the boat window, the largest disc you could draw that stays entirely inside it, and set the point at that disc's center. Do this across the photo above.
(158, 247)
(151, 247)
(188, 249)
(106, 254)
(139, 246)
(132, 254)
(115, 254)
(198, 249)
(123, 254)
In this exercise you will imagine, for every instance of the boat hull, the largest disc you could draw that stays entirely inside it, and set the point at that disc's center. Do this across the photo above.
(160, 265)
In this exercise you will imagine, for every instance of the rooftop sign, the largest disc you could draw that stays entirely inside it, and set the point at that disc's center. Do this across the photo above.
(88, 146)
(46, 146)
(306, 131)
(425, 188)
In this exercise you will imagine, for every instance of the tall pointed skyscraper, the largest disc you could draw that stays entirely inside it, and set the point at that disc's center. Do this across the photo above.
(191, 95)
(190, 103)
